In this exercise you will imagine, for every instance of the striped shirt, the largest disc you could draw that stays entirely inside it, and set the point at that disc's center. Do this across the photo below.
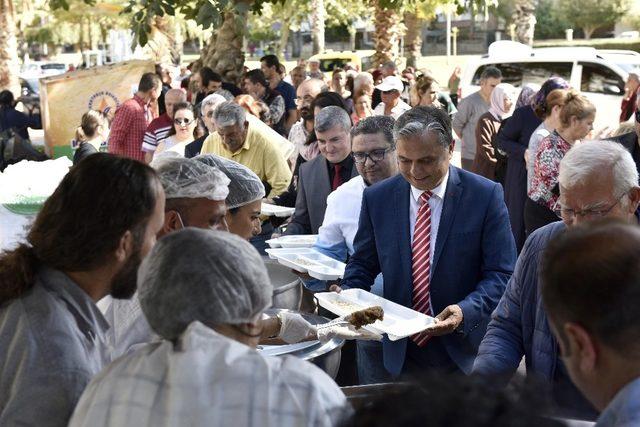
(157, 131)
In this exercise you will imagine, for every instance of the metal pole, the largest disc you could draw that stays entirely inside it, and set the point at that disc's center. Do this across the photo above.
(448, 32)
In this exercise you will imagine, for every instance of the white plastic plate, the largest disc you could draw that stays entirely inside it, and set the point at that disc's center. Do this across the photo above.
(293, 241)
(275, 210)
(399, 321)
(310, 261)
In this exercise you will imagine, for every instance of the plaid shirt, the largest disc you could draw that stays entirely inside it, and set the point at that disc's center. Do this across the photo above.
(128, 128)
(207, 379)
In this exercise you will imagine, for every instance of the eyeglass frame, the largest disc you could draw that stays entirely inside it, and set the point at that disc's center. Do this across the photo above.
(637, 114)
(557, 209)
(184, 121)
(365, 156)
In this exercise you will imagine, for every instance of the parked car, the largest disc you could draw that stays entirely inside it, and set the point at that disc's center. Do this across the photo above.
(329, 59)
(42, 68)
(600, 75)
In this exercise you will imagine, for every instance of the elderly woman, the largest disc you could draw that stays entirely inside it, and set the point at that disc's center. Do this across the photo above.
(576, 121)
(489, 123)
(206, 370)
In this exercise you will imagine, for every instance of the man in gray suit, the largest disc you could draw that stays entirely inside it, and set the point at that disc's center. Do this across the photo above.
(320, 176)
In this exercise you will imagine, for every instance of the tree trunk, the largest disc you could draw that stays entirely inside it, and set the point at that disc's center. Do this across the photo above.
(413, 38)
(224, 52)
(524, 18)
(388, 30)
(281, 48)
(317, 25)
(588, 32)
(9, 67)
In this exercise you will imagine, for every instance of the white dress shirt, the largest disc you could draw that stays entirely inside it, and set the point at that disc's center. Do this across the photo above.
(396, 111)
(207, 379)
(435, 202)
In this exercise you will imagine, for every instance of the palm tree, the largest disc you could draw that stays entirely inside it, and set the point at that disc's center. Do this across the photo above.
(318, 13)
(9, 65)
(388, 31)
(524, 19)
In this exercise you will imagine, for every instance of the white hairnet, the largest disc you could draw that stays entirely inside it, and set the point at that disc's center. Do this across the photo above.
(213, 277)
(245, 186)
(187, 178)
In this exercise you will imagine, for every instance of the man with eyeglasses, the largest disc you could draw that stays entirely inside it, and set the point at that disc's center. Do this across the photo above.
(597, 179)
(374, 153)
(325, 173)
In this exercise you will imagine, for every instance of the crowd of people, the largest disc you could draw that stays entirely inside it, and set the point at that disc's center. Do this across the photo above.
(138, 297)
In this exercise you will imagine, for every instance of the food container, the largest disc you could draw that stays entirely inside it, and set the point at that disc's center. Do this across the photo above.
(309, 261)
(294, 241)
(274, 210)
(287, 287)
(326, 356)
(399, 321)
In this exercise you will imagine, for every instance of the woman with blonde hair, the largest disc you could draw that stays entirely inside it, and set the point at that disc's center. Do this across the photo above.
(549, 113)
(575, 122)
(426, 91)
(91, 134)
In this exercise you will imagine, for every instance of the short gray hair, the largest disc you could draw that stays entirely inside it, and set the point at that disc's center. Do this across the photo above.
(229, 114)
(330, 117)
(587, 160)
(423, 119)
(212, 100)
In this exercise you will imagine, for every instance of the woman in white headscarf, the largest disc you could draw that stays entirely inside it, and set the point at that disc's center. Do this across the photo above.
(502, 100)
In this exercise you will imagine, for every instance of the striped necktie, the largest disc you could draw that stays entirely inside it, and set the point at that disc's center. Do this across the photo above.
(421, 263)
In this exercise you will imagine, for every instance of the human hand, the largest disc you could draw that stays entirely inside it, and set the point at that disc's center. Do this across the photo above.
(348, 332)
(295, 328)
(335, 288)
(303, 276)
(446, 322)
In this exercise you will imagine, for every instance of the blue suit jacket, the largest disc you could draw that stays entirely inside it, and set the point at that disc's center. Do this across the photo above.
(473, 260)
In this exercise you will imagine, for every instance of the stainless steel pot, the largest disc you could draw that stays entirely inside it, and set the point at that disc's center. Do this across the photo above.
(287, 287)
(326, 356)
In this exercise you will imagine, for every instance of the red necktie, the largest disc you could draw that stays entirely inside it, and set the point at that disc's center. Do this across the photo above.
(421, 263)
(337, 179)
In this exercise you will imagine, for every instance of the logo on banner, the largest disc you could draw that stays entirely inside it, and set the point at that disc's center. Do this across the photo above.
(105, 102)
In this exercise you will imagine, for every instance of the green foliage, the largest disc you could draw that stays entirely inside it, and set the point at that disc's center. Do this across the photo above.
(592, 14)
(551, 24)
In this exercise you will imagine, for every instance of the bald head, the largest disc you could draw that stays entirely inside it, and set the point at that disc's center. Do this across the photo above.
(173, 97)
(306, 93)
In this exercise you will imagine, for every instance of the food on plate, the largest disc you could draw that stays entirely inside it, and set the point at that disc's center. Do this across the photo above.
(349, 306)
(303, 261)
(365, 317)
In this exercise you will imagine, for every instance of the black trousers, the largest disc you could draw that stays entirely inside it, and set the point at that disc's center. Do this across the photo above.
(537, 216)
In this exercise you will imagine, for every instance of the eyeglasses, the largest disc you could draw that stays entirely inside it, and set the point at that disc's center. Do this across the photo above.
(181, 122)
(637, 116)
(375, 155)
(565, 213)
(210, 113)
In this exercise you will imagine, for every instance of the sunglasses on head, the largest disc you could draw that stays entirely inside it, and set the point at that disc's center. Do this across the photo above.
(184, 121)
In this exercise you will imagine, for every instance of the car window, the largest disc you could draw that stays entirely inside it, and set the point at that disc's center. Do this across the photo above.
(54, 67)
(521, 73)
(330, 64)
(597, 78)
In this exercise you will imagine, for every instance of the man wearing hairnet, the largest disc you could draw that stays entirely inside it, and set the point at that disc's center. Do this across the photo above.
(206, 371)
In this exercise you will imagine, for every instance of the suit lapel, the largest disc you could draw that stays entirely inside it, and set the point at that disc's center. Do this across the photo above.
(451, 200)
(322, 188)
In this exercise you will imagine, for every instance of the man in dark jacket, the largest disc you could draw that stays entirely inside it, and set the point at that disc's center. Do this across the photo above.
(589, 189)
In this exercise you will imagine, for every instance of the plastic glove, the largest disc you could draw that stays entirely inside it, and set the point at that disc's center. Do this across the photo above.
(294, 328)
(347, 333)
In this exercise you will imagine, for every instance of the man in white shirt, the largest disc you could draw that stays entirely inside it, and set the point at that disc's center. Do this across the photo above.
(390, 90)
(206, 371)
(374, 153)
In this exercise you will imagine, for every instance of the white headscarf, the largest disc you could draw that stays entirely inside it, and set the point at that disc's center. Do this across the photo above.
(499, 94)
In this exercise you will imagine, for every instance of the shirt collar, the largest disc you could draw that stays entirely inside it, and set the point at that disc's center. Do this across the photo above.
(624, 404)
(141, 101)
(80, 304)
(438, 191)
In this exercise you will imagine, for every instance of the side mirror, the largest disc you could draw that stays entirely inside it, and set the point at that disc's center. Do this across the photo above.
(612, 90)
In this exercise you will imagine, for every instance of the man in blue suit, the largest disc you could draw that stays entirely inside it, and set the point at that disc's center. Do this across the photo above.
(448, 251)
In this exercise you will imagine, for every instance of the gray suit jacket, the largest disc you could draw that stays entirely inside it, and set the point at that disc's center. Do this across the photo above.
(311, 202)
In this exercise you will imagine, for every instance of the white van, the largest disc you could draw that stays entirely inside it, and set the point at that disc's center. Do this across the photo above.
(599, 74)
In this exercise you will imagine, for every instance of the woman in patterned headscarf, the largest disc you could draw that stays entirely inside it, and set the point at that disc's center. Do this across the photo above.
(529, 90)
(513, 139)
